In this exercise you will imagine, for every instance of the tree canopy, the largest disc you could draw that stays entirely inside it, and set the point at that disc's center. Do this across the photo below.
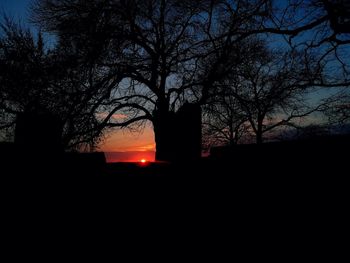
(141, 60)
(35, 80)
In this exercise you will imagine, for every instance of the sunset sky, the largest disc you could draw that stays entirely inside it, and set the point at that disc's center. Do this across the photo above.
(128, 146)
(119, 145)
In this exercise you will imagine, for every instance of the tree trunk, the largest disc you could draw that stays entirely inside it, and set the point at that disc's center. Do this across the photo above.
(163, 132)
(259, 132)
(259, 138)
(178, 135)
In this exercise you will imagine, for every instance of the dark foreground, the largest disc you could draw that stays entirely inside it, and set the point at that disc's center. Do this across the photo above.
(295, 188)
(298, 196)
(317, 165)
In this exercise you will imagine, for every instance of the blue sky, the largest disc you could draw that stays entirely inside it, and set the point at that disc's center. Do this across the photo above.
(119, 141)
(19, 9)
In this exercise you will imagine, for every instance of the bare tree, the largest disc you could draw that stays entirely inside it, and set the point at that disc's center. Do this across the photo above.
(35, 80)
(21, 66)
(224, 119)
(151, 56)
(265, 91)
(270, 94)
(224, 123)
(147, 51)
(337, 108)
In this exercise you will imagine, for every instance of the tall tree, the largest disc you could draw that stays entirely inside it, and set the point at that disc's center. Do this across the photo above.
(143, 50)
(151, 56)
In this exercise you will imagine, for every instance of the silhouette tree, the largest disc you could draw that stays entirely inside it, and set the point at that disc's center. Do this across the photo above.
(224, 120)
(150, 45)
(264, 91)
(35, 81)
(150, 57)
(224, 123)
(271, 91)
(22, 72)
(337, 108)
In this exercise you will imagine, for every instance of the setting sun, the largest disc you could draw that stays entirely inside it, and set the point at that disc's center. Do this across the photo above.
(143, 162)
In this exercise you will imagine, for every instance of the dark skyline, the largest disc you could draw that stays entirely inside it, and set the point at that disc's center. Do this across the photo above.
(90, 39)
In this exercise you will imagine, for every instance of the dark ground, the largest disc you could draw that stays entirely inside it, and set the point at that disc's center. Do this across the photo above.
(298, 195)
(293, 169)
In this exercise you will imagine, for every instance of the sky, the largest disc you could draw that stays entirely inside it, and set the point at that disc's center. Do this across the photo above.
(122, 145)
(119, 145)
(16, 8)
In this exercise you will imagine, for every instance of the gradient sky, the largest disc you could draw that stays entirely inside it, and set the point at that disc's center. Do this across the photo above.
(124, 141)
(126, 146)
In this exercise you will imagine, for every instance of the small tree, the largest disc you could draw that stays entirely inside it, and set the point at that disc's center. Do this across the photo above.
(265, 91)
(224, 123)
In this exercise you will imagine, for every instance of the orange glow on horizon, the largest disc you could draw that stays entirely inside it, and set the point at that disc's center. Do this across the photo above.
(123, 146)
(144, 163)
(134, 157)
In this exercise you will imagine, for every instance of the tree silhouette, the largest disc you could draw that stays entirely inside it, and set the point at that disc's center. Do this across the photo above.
(23, 68)
(224, 122)
(148, 58)
(153, 46)
(36, 81)
(271, 91)
(264, 91)
(337, 108)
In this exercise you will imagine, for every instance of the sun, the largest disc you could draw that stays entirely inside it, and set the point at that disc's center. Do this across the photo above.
(143, 162)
